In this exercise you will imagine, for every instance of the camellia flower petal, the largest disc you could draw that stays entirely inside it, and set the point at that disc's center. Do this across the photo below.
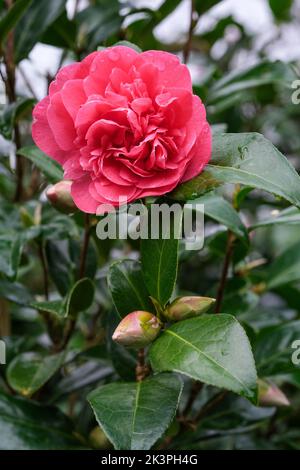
(124, 125)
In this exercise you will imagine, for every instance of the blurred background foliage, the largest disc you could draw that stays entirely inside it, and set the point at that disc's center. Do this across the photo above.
(243, 57)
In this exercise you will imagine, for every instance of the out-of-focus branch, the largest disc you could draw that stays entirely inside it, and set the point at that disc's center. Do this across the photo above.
(193, 22)
(10, 84)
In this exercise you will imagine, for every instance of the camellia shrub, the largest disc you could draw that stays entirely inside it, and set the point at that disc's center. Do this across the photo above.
(120, 328)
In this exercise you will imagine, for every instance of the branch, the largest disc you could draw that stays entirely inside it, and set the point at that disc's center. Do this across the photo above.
(193, 22)
(10, 85)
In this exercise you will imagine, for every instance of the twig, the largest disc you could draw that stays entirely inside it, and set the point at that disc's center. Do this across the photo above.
(196, 388)
(227, 260)
(193, 23)
(84, 251)
(141, 370)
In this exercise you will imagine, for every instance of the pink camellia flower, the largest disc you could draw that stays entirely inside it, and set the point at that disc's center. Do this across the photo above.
(124, 125)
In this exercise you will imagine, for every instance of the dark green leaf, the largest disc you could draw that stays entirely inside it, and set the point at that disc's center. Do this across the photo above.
(213, 349)
(60, 265)
(127, 287)
(273, 349)
(135, 415)
(28, 372)
(281, 10)
(29, 426)
(80, 297)
(220, 210)
(56, 307)
(98, 22)
(39, 16)
(49, 167)
(160, 260)
(12, 17)
(245, 159)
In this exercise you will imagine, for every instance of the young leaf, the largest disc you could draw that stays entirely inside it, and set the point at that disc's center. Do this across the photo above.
(248, 159)
(127, 287)
(135, 415)
(28, 372)
(49, 167)
(213, 349)
(160, 261)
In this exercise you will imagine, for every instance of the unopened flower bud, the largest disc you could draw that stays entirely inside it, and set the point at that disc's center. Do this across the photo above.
(137, 330)
(60, 197)
(187, 307)
(270, 395)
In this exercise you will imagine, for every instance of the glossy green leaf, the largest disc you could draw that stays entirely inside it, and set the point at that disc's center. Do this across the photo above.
(127, 287)
(26, 425)
(217, 208)
(55, 307)
(50, 168)
(273, 349)
(245, 159)
(135, 415)
(28, 372)
(160, 261)
(79, 298)
(213, 349)
(12, 17)
(38, 17)
(60, 265)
